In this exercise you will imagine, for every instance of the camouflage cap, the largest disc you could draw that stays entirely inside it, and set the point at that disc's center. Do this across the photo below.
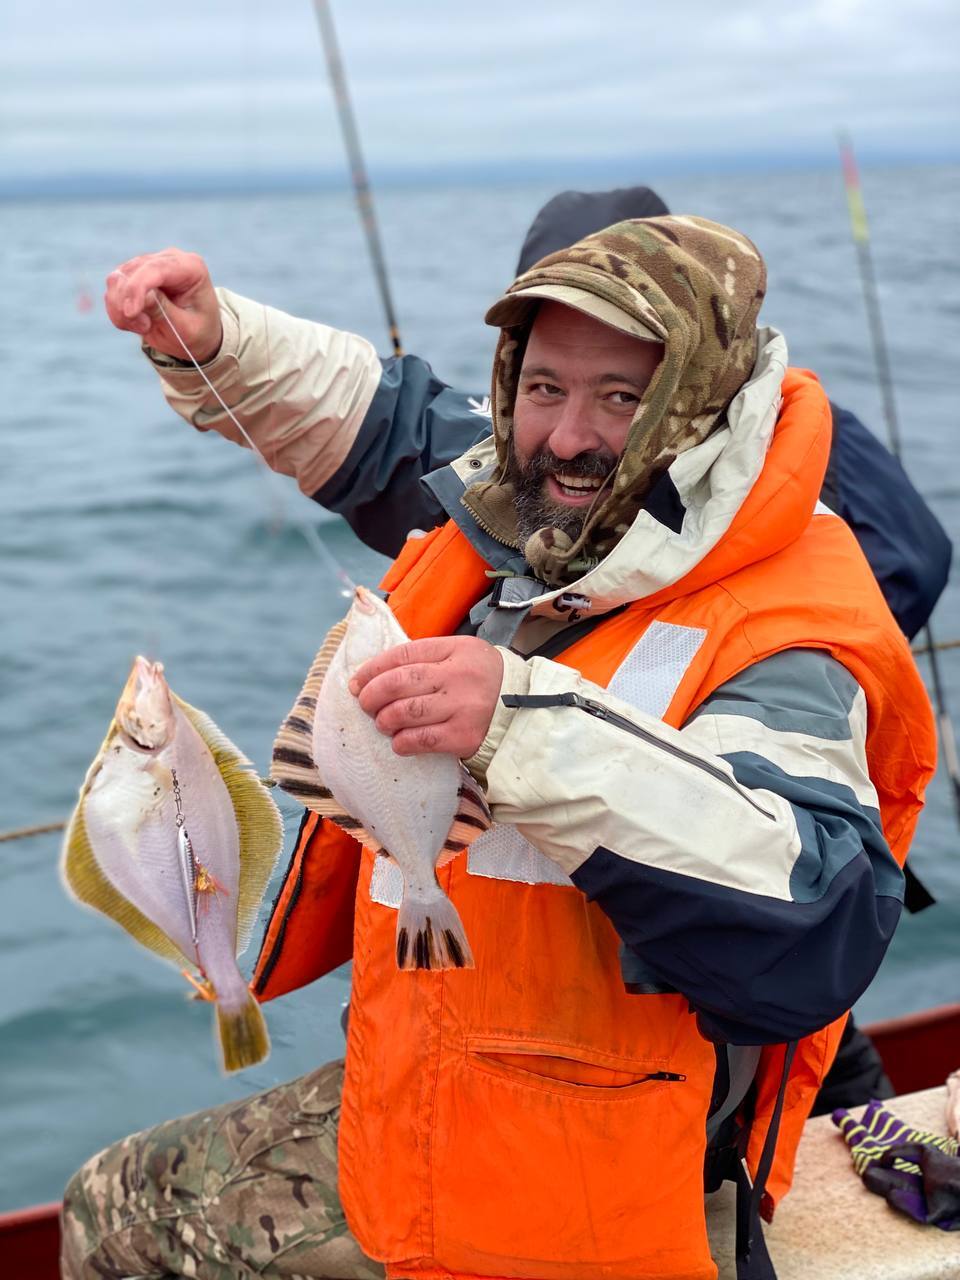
(519, 307)
(698, 283)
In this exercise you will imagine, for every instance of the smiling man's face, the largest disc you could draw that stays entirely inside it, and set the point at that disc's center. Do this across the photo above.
(579, 389)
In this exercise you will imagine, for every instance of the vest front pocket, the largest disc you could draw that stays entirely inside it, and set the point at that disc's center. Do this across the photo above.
(562, 1161)
(572, 1071)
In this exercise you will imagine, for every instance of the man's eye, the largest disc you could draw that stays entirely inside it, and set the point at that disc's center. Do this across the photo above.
(546, 389)
(624, 398)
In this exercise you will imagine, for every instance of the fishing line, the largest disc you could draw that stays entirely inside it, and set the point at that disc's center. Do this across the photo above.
(304, 526)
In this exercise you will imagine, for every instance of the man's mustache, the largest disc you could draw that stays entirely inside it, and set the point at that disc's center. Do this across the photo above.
(587, 465)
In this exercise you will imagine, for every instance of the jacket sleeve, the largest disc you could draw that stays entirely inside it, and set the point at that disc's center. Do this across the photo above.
(414, 424)
(355, 433)
(300, 389)
(741, 859)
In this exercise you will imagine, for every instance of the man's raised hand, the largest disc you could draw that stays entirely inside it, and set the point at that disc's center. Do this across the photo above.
(183, 283)
(432, 695)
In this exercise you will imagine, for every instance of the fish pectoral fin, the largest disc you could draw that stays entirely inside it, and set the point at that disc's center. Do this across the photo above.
(202, 987)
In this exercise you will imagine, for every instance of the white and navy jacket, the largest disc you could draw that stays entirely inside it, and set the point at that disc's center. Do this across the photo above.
(754, 876)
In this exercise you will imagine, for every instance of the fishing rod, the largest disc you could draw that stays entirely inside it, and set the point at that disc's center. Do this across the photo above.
(868, 280)
(358, 172)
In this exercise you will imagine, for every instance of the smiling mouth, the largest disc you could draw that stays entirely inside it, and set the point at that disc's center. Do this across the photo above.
(577, 488)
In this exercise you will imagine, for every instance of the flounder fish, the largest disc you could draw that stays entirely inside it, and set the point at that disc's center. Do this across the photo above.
(175, 837)
(421, 811)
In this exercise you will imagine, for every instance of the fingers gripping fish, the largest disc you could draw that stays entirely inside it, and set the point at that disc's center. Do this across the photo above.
(418, 810)
(175, 838)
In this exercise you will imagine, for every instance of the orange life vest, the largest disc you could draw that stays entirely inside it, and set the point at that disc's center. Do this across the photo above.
(507, 1120)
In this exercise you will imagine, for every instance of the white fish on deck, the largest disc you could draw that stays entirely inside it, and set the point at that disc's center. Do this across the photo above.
(418, 810)
(175, 838)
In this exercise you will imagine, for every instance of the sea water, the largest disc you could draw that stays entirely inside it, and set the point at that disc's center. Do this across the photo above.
(123, 530)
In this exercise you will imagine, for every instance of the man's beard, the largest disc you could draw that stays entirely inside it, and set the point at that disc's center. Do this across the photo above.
(534, 509)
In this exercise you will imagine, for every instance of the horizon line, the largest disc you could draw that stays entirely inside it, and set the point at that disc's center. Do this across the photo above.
(119, 182)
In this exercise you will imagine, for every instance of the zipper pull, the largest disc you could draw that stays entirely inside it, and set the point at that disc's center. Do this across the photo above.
(665, 1075)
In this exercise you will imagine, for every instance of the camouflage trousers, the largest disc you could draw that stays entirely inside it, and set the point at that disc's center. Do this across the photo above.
(247, 1189)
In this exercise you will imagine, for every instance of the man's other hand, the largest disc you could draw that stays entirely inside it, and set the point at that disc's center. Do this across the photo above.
(432, 695)
(183, 284)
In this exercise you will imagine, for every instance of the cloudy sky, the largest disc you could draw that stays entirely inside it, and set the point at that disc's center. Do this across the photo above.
(211, 86)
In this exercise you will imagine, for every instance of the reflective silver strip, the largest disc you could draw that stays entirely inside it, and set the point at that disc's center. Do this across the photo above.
(502, 853)
(650, 674)
(647, 678)
(386, 883)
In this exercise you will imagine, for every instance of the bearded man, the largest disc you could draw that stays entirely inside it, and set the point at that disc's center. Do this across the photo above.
(704, 743)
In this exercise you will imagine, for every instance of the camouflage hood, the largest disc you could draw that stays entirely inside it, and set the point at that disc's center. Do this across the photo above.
(693, 283)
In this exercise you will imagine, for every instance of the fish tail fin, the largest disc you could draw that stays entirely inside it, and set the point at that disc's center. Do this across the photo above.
(430, 935)
(243, 1035)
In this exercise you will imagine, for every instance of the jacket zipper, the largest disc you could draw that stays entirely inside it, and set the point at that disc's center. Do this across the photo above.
(601, 712)
(482, 524)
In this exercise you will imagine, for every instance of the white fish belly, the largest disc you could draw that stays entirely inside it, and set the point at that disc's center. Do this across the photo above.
(130, 819)
(130, 815)
(407, 802)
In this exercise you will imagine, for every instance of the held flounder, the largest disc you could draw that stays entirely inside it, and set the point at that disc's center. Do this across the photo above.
(175, 837)
(421, 811)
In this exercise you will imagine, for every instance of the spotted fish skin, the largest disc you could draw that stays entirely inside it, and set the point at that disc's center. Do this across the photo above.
(419, 810)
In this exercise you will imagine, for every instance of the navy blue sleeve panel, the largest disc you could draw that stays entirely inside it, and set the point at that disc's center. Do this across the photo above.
(907, 548)
(415, 424)
(759, 969)
(756, 970)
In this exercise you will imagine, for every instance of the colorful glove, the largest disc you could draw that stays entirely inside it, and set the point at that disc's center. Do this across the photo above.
(930, 1195)
(916, 1171)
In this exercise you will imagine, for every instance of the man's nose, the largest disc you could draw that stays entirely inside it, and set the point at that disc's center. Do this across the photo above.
(572, 431)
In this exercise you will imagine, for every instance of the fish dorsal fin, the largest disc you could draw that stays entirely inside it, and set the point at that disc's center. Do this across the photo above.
(292, 767)
(85, 881)
(259, 823)
(471, 819)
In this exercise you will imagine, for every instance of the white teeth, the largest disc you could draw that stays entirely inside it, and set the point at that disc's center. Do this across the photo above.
(578, 482)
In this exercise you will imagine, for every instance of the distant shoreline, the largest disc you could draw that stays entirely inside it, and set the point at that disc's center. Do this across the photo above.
(582, 173)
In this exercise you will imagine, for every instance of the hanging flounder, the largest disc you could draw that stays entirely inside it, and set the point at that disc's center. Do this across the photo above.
(175, 838)
(421, 811)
